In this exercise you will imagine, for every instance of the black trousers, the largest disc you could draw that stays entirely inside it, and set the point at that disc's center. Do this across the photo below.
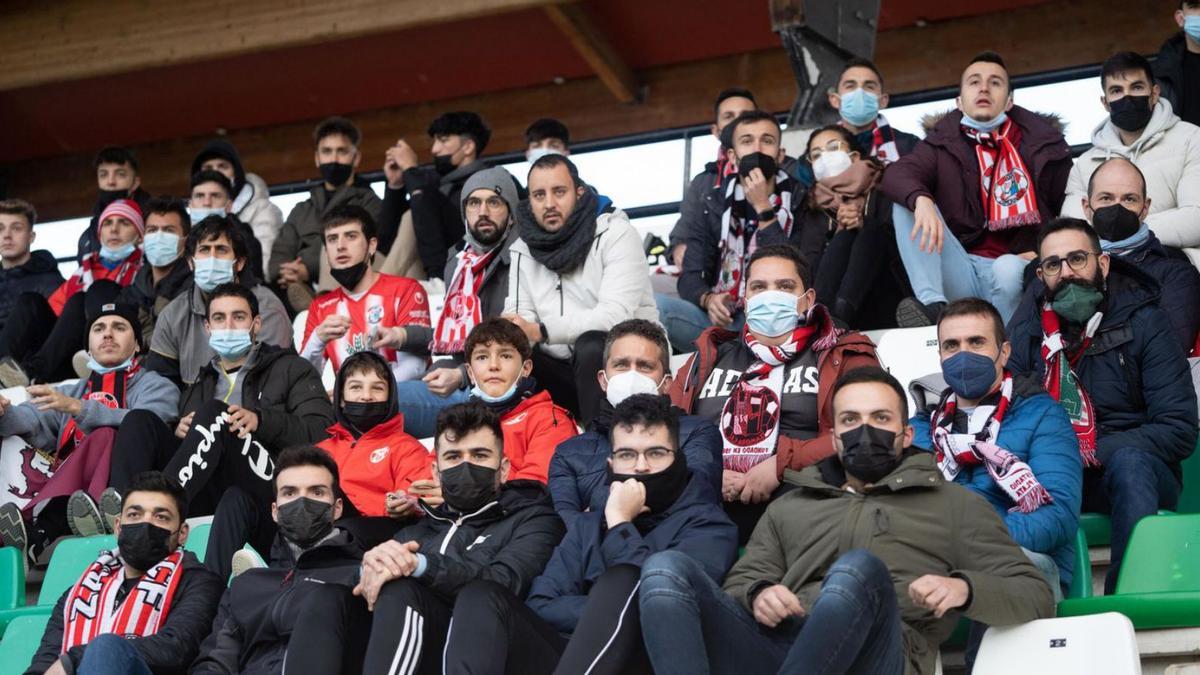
(495, 632)
(408, 631)
(212, 459)
(44, 344)
(330, 632)
(572, 382)
(241, 518)
(143, 443)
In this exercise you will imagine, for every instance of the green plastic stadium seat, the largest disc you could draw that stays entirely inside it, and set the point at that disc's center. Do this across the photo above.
(20, 642)
(70, 558)
(1095, 528)
(1159, 585)
(12, 578)
(197, 541)
(1189, 500)
(1081, 581)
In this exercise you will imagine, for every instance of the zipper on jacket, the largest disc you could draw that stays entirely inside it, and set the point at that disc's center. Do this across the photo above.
(457, 523)
(558, 287)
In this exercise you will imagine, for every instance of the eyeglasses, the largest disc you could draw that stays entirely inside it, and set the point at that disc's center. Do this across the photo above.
(493, 203)
(1077, 260)
(655, 457)
(831, 146)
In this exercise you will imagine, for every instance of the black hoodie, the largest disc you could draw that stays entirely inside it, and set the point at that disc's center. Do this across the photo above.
(38, 275)
(339, 384)
(222, 149)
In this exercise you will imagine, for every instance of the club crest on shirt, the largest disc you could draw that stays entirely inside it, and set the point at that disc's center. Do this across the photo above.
(374, 314)
(750, 415)
(378, 455)
(1011, 187)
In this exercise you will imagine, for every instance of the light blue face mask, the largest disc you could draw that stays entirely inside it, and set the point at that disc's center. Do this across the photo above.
(231, 343)
(987, 125)
(199, 213)
(772, 313)
(118, 253)
(859, 107)
(162, 248)
(1191, 26)
(211, 272)
(483, 395)
(94, 365)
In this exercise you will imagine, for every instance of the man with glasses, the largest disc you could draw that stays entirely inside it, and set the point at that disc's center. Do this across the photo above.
(582, 613)
(1104, 350)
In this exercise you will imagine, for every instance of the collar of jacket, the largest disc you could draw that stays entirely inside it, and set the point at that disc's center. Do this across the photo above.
(917, 470)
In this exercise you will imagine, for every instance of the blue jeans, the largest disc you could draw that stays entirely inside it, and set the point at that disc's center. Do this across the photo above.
(1132, 484)
(691, 626)
(420, 406)
(685, 321)
(110, 653)
(954, 273)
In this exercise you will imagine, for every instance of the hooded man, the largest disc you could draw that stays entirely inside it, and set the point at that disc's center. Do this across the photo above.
(1104, 350)
(476, 281)
(251, 200)
(579, 270)
(1177, 66)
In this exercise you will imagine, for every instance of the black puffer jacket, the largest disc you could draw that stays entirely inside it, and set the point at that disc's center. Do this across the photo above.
(38, 275)
(1168, 73)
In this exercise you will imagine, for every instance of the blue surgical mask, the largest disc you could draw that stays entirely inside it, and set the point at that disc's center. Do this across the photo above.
(772, 313)
(1191, 26)
(987, 125)
(859, 107)
(95, 366)
(117, 253)
(211, 272)
(162, 248)
(199, 213)
(230, 343)
(483, 395)
(970, 375)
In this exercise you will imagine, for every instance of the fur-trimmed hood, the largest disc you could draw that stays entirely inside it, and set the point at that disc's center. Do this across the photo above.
(929, 121)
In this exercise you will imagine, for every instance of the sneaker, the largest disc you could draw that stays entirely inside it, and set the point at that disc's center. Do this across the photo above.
(83, 515)
(13, 533)
(80, 363)
(912, 313)
(245, 559)
(12, 374)
(110, 507)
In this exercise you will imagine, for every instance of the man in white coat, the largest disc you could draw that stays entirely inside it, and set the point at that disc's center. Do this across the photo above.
(577, 270)
(1144, 129)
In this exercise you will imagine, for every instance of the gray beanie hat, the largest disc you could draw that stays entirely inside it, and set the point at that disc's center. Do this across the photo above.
(495, 179)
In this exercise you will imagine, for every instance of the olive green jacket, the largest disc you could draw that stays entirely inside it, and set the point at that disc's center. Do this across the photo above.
(917, 524)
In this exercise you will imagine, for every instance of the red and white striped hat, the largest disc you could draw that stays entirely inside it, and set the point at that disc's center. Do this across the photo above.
(126, 208)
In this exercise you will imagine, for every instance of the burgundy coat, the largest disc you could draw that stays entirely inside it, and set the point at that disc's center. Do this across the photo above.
(944, 168)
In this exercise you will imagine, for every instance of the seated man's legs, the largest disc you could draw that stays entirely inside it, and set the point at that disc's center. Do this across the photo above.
(330, 631)
(557, 377)
(144, 443)
(588, 360)
(240, 519)
(683, 320)
(688, 622)
(420, 406)
(1001, 281)
(608, 637)
(110, 654)
(408, 630)
(935, 276)
(1132, 484)
(494, 631)
(854, 626)
(212, 458)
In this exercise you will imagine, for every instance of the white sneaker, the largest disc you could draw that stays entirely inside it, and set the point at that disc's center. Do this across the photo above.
(245, 559)
(80, 363)
(110, 508)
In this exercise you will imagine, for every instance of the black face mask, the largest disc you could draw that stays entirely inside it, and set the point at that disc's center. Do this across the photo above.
(107, 197)
(1115, 222)
(443, 164)
(868, 453)
(304, 521)
(348, 277)
(143, 545)
(366, 416)
(758, 160)
(468, 487)
(662, 488)
(1130, 113)
(336, 173)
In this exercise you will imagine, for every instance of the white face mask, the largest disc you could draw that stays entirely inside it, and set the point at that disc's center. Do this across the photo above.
(623, 385)
(831, 163)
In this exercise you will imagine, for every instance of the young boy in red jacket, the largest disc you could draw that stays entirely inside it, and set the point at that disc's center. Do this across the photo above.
(499, 361)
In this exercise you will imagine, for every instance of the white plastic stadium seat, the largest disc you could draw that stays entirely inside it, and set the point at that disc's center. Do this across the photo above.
(15, 395)
(908, 353)
(1098, 643)
(298, 330)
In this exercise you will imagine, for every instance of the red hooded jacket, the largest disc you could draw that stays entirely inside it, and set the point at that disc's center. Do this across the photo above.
(532, 430)
(384, 459)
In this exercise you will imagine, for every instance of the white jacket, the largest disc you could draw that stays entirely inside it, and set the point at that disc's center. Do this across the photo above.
(1168, 153)
(611, 286)
(253, 206)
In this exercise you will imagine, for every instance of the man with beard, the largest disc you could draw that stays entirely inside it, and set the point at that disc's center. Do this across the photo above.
(476, 284)
(755, 195)
(865, 567)
(367, 310)
(1105, 352)
(580, 270)
(488, 529)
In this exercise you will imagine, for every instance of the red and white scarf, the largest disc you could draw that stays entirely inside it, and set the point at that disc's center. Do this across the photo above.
(1062, 383)
(883, 141)
(107, 389)
(757, 397)
(462, 310)
(92, 269)
(739, 233)
(91, 608)
(978, 446)
(1006, 187)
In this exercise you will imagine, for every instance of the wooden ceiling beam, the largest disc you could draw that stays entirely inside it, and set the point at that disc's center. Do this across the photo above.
(575, 24)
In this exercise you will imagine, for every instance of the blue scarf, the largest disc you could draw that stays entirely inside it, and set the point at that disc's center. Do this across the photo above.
(1128, 243)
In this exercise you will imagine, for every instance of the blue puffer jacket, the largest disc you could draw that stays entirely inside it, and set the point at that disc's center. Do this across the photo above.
(1039, 433)
(695, 524)
(578, 478)
(1134, 371)
(38, 275)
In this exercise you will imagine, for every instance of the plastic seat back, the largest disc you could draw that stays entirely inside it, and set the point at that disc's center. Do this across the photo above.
(1081, 581)
(908, 353)
(1189, 499)
(1163, 556)
(197, 541)
(1083, 645)
(12, 578)
(70, 558)
(20, 643)
(298, 330)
